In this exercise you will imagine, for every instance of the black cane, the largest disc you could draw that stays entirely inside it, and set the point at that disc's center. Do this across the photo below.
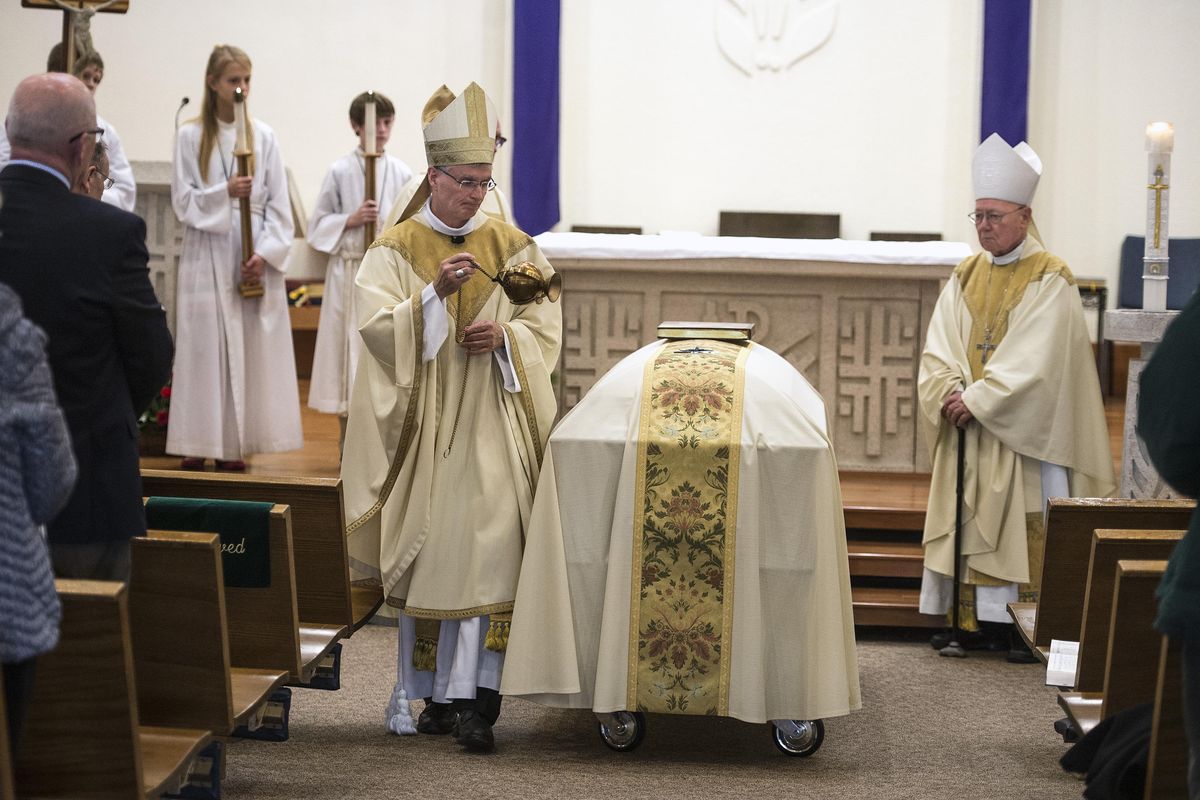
(954, 649)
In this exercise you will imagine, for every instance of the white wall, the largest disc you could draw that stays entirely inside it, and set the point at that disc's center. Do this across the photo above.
(660, 130)
(1103, 69)
(663, 132)
(311, 57)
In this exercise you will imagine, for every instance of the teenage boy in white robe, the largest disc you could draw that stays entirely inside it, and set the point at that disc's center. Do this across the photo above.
(337, 227)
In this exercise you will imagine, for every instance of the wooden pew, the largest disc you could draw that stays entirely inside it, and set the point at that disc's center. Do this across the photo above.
(1069, 526)
(265, 631)
(1109, 547)
(181, 641)
(6, 780)
(1166, 769)
(323, 589)
(1131, 644)
(82, 738)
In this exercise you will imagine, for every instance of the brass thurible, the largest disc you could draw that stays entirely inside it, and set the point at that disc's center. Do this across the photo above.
(524, 283)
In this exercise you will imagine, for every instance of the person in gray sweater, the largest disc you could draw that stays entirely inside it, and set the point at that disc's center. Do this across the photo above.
(37, 473)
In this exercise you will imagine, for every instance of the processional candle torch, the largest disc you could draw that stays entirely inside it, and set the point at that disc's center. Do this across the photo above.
(370, 156)
(241, 151)
(1160, 138)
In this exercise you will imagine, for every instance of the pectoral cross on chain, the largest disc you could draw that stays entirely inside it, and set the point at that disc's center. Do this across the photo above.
(986, 346)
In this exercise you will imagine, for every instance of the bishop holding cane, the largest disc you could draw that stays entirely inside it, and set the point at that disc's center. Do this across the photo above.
(1008, 363)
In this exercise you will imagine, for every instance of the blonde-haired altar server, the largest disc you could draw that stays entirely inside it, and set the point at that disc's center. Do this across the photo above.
(336, 228)
(451, 407)
(234, 385)
(1008, 360)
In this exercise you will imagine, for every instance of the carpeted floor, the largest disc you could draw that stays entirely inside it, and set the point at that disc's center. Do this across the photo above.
(930, 727)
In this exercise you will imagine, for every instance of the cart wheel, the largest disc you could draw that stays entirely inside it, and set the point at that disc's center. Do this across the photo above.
(798, 737)
(624, 730)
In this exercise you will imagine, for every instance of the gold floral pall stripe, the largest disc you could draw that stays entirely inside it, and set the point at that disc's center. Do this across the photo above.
(685, 514)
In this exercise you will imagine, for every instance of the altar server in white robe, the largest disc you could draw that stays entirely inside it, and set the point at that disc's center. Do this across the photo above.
(686, 552)
(1007, 359)
(89, 68)
(235, 387)
(415, 192)
(336, 227)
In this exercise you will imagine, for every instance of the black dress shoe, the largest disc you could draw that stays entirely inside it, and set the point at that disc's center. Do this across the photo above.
(968, 640)
(474, 732)
(437, 719)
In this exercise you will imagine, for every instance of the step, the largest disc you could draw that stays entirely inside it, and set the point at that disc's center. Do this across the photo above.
(883, 518)
(890, 606)
(885, 559)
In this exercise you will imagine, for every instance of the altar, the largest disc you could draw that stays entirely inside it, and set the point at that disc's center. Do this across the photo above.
(850, 316)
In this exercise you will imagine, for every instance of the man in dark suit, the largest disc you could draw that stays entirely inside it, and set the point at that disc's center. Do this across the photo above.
(79, 267)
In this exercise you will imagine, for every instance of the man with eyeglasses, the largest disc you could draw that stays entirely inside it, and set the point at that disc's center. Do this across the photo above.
(1008, 361)
(79, 267)
(94, 180)
(451, 407)
(416, 191)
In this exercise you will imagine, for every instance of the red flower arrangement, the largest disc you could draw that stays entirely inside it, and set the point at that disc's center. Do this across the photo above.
(158, 413)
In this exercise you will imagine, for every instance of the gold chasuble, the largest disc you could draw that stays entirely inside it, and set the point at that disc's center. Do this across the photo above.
(441, 460)
(686, 552)
(1013, 339)
(684, 528)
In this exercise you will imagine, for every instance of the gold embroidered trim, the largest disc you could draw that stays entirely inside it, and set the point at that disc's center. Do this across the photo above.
(1006, 294)
(731, 508)
(639, 514)
(526, 398)
(682, 591)
(410, 415)
(453, 152)
(461, 613)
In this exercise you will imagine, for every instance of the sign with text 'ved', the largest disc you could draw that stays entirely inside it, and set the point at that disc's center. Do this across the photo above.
(242, 526)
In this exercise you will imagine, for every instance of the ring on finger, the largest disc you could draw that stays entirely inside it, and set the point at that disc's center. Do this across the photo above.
(458, 273)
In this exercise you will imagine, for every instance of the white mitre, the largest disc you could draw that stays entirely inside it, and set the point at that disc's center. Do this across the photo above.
(1000, 172)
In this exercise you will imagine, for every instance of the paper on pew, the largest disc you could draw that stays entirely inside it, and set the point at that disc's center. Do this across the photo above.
(1061, 663)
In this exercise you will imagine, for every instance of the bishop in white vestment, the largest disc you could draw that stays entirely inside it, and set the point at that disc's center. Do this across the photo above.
(1007, 359)
(451, 408)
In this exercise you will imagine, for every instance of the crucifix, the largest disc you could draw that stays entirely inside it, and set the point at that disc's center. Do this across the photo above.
(986, 346)
(77, 22)
(1158, 187)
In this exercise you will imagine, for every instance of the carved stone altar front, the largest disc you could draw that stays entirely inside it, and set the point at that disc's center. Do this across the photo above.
(164, 231)
(855, 331)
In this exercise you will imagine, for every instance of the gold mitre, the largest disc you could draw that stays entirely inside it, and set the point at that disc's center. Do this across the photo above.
(452, 130)
(464, 132)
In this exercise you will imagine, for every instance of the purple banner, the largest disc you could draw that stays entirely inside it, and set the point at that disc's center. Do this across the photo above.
(1005, 97)
(535, 114)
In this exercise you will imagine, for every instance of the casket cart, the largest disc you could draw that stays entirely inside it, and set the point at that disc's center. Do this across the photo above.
(686, 551)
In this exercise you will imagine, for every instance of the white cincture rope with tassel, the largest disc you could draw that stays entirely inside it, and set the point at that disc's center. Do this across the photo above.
(398, 716)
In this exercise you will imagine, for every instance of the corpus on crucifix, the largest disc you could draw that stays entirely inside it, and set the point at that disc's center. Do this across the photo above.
(77, 22)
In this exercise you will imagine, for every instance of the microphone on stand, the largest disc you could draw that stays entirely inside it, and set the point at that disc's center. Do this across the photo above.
(179, 110)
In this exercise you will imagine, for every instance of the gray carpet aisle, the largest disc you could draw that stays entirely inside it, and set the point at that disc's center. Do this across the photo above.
(930, 727)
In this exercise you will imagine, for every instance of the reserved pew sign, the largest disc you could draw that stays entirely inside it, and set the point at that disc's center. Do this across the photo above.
(243, 527)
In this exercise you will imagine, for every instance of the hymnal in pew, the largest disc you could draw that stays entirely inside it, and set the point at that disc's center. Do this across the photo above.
(1061, 663)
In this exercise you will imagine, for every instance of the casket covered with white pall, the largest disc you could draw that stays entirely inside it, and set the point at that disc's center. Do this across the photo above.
(686, 551)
